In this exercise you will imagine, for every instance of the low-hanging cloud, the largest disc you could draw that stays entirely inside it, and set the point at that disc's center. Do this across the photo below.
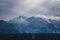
(29, 8)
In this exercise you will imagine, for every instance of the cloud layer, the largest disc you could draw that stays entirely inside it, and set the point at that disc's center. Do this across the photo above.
(12, 8)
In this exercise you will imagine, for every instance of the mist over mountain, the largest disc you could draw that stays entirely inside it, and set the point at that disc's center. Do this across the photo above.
(23, 24)
(36, 25)
(20, 16)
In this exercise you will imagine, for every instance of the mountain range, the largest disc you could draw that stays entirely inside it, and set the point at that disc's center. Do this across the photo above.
(36, 25)
(32, 24)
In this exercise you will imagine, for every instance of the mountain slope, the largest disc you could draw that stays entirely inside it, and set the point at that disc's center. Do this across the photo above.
(35, 25)
(7, 28)
(56, 24)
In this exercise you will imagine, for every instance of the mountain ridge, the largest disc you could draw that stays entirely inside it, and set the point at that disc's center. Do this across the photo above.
(35, 25)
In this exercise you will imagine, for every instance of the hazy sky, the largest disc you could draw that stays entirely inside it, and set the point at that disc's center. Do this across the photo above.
(10, 9)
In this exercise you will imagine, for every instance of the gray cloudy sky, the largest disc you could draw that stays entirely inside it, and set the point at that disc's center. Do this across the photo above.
(10, 9)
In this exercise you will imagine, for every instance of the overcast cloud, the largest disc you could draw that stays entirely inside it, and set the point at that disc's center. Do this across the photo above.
(10, 9)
